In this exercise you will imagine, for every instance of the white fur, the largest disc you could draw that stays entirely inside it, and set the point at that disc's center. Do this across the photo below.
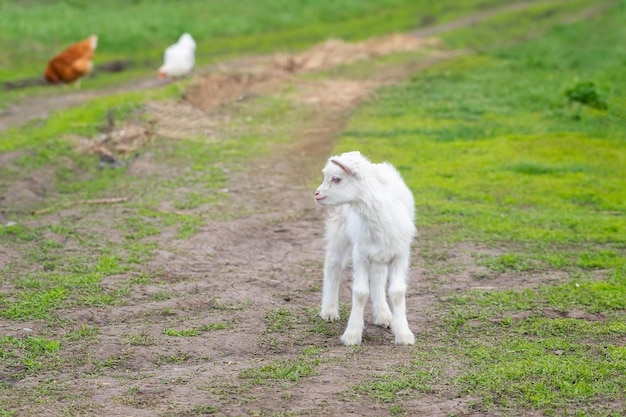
(371, 224)
(179, 58)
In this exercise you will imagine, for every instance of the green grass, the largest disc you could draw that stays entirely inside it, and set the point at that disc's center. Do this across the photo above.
(140, 339)
(399, 385)
(283, 322)
(82, 333)
(62, 282)
(222, 30)
(28, 354)
(607, 296)
(280, 320)
(51, 274)
(196, 331)
(180, 332)
(491, 155)
(288, 370)
(555, 365)
(509, 150)
(140, 31)
(499, 32)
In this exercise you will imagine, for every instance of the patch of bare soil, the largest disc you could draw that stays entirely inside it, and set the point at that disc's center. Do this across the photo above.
(28, 192)
(215, 89)
(455, 268)
(334, 95)
(336, 52)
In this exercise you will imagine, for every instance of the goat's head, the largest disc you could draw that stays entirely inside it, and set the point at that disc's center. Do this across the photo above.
(342, 179)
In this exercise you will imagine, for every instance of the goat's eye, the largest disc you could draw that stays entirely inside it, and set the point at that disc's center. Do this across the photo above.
(336, 180)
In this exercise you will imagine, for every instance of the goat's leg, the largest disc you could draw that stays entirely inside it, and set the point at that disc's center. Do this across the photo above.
(378, 282)
(338, 251)
(332, 281)
(398, 270)
(360, 294)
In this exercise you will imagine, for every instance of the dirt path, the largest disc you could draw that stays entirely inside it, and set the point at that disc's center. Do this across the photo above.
(245, 272)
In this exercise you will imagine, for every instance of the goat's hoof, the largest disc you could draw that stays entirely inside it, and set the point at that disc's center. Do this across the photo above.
(330, 314)
(405, 338)
(351, 338)
(383, 320)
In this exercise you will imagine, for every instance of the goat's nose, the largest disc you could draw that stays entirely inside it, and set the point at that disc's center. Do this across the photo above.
(317, 192)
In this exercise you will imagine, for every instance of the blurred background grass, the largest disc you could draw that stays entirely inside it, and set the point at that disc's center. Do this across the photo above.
(33, 31)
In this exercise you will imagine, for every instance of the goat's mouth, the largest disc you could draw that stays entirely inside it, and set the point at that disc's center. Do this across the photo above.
(320, 199)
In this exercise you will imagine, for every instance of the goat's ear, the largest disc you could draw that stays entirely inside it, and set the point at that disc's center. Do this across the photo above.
(351, 171)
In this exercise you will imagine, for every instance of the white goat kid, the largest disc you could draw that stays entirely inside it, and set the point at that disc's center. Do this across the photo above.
(371, 224)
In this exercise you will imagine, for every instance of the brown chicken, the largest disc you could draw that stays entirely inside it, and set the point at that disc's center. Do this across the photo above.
(73, 63)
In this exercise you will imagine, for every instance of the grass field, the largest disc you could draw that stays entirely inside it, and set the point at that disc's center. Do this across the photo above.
(140, 31)
(515, 154)
(512, 162)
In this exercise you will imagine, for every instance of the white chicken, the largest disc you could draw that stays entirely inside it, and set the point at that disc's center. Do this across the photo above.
(179, 58)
